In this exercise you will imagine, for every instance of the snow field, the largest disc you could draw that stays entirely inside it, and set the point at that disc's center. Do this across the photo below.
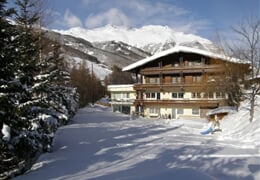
(99, 144)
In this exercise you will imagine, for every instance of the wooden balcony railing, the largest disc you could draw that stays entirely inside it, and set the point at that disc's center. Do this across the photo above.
(179, 69)
(182, 102)
(169, 87)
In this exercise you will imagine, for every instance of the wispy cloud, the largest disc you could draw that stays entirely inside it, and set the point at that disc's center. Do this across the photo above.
(148, 8)
(132, 13)
(71, 20)
(112, 16)
(136, 13)
(191, 26)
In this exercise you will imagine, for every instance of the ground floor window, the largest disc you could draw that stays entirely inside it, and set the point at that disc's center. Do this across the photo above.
(195, 111)
(154, 110)
(180, 111)
(121, 108)
(220, 95)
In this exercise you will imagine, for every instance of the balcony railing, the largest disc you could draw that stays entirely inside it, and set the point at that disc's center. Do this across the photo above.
(179, 69)
(169, 86)
(180, 102)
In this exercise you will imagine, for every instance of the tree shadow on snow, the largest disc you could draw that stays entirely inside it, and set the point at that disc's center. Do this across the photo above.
(98, 146)
(172, 164)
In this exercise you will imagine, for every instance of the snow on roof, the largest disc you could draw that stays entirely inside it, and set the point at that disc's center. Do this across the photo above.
(120, 87)
(223, 109)
(178, 49)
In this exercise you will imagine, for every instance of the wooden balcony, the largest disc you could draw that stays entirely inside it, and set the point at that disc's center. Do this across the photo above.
(192, 87)
(209, 103)
(181, 69)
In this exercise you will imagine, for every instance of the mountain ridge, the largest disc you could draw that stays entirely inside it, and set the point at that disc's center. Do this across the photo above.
(99, 56)
(104, 47)
(150, 38)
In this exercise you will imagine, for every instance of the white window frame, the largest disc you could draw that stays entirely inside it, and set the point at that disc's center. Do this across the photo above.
(152, 95)
(176, 79)
(154, 111)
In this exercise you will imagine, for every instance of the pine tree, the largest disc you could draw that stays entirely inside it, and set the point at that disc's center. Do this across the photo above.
(80, 78)
(28, 54)
(31, 88)
(7, 65)
(60, 94)
(119, 77)
(26, 141)
(51, 90)
(9, 88)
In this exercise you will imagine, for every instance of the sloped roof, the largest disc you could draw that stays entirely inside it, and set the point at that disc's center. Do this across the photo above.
(178, 49)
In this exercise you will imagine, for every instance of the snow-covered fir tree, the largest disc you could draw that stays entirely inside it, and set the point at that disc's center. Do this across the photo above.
(61, 98)
(34, 90)
(9, 87)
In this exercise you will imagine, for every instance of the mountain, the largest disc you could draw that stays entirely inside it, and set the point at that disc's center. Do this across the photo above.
(151, 38)
(101, 55)
(103, 47)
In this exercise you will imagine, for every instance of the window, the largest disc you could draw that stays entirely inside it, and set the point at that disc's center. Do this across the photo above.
(174, 95)
(158, 96)
(152, 95)
(125, 95)
(116, 96)
(180, 95)
(196, 78)
(180, 111)
(195, 95)
(177, 95)
(219, 95)
(154, 110)
(176, 79)
(154, 80)
(197, 63)
(120, 96)
(211, 95)
(195, 111)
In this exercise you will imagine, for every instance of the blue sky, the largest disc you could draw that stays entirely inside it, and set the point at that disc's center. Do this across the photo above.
(201, 17)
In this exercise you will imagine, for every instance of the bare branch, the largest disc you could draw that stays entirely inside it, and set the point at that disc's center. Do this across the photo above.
(249, 32)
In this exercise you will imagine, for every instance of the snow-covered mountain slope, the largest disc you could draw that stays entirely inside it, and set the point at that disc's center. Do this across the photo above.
(151, 38)
(102, 56)
(107, 46)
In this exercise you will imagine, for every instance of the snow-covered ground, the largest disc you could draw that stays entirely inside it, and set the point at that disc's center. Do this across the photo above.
(99, 144)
